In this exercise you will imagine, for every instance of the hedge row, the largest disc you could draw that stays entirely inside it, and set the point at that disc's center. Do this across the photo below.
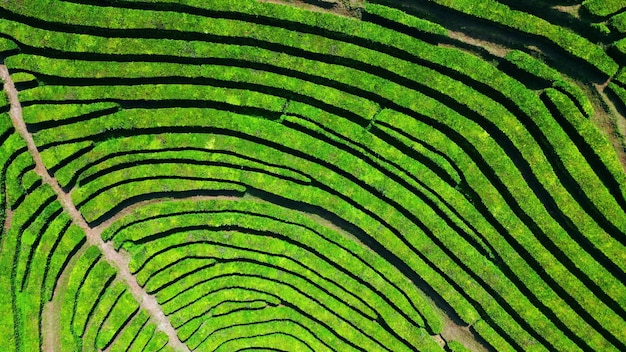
(619, 91)
(32, 234)
(415, 176)
(565, 38)
(375, 272)
(18, 167)
(43, 116)
(593, 141)
(7, 47)
(77, 274)
(587, 181)
(575, 169)
(618, 22)
(224, 157)
(123, 310)
(130, 332)
(275, 331)
(10, 143)
(542, 71)
(297, 139)
(96, 283)
(397, 16)
(329, 276)
(176, 287)
(603, 8)
(354, 329)
(97, 209)
(20, 241)
(319, 274)
(100, 311)
(224, 74)
(574, 217)
(509, 246)
(63, 248)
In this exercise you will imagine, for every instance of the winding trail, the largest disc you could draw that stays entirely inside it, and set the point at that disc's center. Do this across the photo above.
(116, 259)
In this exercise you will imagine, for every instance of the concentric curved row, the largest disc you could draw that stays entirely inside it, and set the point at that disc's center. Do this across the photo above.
(449, 169)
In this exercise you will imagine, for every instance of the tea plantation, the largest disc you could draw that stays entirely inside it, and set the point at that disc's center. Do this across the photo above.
(319, 175)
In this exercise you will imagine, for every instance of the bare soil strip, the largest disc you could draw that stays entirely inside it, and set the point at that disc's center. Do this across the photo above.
(345, 8)
(611, 123)
(116, 259)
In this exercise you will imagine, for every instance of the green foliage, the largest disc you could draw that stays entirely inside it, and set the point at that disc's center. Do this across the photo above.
(130, 332)
(618, 22)
(93, 290)
(331, 245)
(603, 8)
(398, 16)
(532, 65)
(7, 46)
(69, 340)
(21, 77)
(125, 308)
(445, 162)
(455, 346)
(569, 41)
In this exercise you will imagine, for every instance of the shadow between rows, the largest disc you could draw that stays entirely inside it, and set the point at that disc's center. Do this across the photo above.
(83, 180)
(35, 245)
(566, 179)
(450, 19)
(488, 253)
(410, 113)
(230, 287)
(267, 334)
(72, 252)
(413, 59)
(131, 201)
(14, 186)
(199, 285)
(502, 34)
(551, 315)
(159, 195)
(399, 236)
(510, 105)
(250, 231)
(209, 13)
(310, 249)
(96, 299)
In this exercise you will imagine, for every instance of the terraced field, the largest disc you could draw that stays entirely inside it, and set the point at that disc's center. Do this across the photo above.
(443, 175)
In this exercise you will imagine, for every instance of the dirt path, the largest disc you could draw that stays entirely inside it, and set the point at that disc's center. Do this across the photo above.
(611, 123)
(116, 259)
(345, 8)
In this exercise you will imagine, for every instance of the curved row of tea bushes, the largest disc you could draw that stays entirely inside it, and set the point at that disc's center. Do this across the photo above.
(603, 8)
(41, 242)
(579, 177)
(574, 217)
(524, 160)
(32, 261)
(298, 261)
(249, 123)
(563, 38)
(98, 312)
